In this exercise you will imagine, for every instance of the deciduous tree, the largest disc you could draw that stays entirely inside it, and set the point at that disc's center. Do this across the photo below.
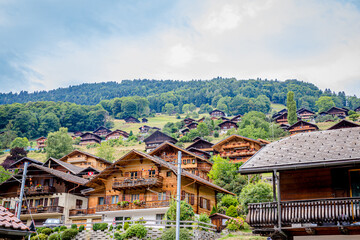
(58, 143)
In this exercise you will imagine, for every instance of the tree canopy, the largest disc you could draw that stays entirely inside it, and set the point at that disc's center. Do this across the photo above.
(58, 143)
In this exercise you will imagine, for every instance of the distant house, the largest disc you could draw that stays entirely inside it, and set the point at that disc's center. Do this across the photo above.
(184, 131)
(83, 160)
(89, 138)
(336, 112)
(117, 134)
(19, 164)
(188, 121)
(199, 152)
(279, 113)
(217, 113)
(102, 131)
(305, 114)
(144, 129)
(62, 166)
(284, 126)
(344, 124)
(301, 127)
(237, 118)
(156, 139)
(201, 144)
(201, 120)
(281, 118)
(41, 142)
(227, 125)
(192, 125)
(78, 134)
(223, 118)
(144, 120)
(131, 120)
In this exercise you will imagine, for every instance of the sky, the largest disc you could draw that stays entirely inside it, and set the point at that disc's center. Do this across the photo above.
(57, 43)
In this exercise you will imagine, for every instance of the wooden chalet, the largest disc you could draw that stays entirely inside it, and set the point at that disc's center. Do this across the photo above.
(49, 193)
(77, 134)
(131, 120)
(196, 139)
(343, 124)
(102, 131)
(200, 152)
(316, 186)
(184, 131)
(62, 166)
(192, 125)
(84, 160)
(156, 139)
(11, 227)
(337, 112)
(223, 118)
(237, 148)
(202, 144)
(88, 173)
(191, 162)
(144, 120)
(41, 142)
(226, 126)
(284, 126)
(90, 138)
(188, 121)
(217, 113)
(281, 118)
(117, 134)
(237, 118)
(357, 109)
(201, 120)
(139, 185)
(144, 129)
(19, 164)
(305, 114)
(301, 127)
(279, 113)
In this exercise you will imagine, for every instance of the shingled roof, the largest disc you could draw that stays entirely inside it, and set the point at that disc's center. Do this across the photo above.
(307, 150)
(72, 168)
(8, 221)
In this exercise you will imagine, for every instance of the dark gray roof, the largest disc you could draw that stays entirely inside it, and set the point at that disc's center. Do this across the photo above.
(72, 168)
(307, 150)
(30, 160)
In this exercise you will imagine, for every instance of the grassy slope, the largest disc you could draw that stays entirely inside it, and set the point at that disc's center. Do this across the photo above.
(277, 107)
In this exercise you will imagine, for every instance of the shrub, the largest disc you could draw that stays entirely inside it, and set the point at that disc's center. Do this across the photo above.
(73, 226)
(40, 236)
(54, 236)
(186, 212)
(103, 226)
(231, 211)
(63, 228)
(56, 229)
(118, 227)
(255, 193)
(137, 230)
(126, 225)
(205, 219)
(47, 231)
(69, 234)
(235, 224)
(118, 236)
(170, 234)
(216, 134)
(81, 228)
(111, 228)
(229, 200)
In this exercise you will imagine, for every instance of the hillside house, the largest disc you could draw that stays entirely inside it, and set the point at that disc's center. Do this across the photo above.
(140, 186)
(117, 134)
(226, 126)
(184, 131)
(236, 119)
(202, 144)
(217, 113)
(90, 138)
(188, 121)
(41, 142)
(343, 124)
(77, 134)
(316, 187)
(131, 120)
(192, 125)
(19, 164)
(279, 113)
(302, 126)
(201, 120)
(200, 152)
(305, 114)
(237, 148)
(84, 160)
(102, 131)
(156, 139)
(223, 119)
(281, 118)
(336, 112)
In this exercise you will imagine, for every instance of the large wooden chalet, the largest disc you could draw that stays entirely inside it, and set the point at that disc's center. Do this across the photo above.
(89, 138)
(226, 126)
(41, 142)
(217, 113)
(237, 148)
(117, 134)
(316, 186)
(336, 112)
(84, 160)
(139, 185)
(302, 126)
(156, 139)
(102, 131)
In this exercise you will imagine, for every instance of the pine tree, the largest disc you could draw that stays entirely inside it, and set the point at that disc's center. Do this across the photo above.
(291, 107)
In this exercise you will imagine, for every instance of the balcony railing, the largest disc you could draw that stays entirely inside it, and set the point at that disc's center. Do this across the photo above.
(82, 212)
(329, 211)
(35, 210)
(138, 183)
(128, 206)
(40, 190)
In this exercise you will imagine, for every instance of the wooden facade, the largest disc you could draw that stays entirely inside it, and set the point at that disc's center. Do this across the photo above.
(305, 114)
(84, 160)
(236, 119)
(202, 144)
(131, 120)
(281, 118)
(217, 113)
(41, 142)
(301, 127)
(156, 139)
(102, 131)
(188, 121)
(227, 125)
(20, 163)
(192, 125)
(117, 134)
(237, 148)
(90, 138)
(337, 112)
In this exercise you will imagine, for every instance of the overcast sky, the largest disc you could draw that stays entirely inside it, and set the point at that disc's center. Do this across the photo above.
(50, 44)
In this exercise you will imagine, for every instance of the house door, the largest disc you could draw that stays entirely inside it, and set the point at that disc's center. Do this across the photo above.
(355, 183)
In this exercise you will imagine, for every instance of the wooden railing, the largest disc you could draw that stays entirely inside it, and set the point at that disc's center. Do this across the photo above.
(143, 205)
(35, 210)
(33, 190)
(317, 211)
(81, 212)
(139, 182)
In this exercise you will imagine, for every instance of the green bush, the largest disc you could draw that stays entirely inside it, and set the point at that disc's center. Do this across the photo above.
(111, 228)
(126, 225)
(103, 226)
(118, 236)
(231, 211)
(205, 219)
(40, 236)
(56, 229)
(81, 228)
(170, 234)
(69, 234)
(118, 227)
(54, 236)
(73, 226)
(186, 212)
(47, 231)
(63, 228)
(235, 224)
(137, 230)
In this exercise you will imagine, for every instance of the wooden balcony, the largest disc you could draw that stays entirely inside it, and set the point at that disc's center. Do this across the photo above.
(236, 154)
(129, 206)
(82, 212)
(236, 145)
(317, 212)
(33, 190)
(38, 210)
(127, 183)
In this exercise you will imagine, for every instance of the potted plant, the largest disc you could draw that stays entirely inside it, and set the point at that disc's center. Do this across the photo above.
(38, 187)
(137, 203)
(123, 204)
(40, 207)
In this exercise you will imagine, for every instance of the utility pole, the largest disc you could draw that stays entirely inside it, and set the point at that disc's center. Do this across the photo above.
(178, 200)
(22, 189)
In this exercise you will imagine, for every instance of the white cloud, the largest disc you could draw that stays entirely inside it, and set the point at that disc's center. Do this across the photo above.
(310, 40)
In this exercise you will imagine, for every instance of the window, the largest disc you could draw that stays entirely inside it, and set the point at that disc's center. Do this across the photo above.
(37, 202)
(114, 199)
(101, 201)
(168, 174)
(159, 217)
(193, 161)
(133, 175)
(184, 161)
(7, 204)
(134, 197)
(188, 161)
(162, 196)
(79, 203)
(205, 203)
(47, 182)
(151, 173)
